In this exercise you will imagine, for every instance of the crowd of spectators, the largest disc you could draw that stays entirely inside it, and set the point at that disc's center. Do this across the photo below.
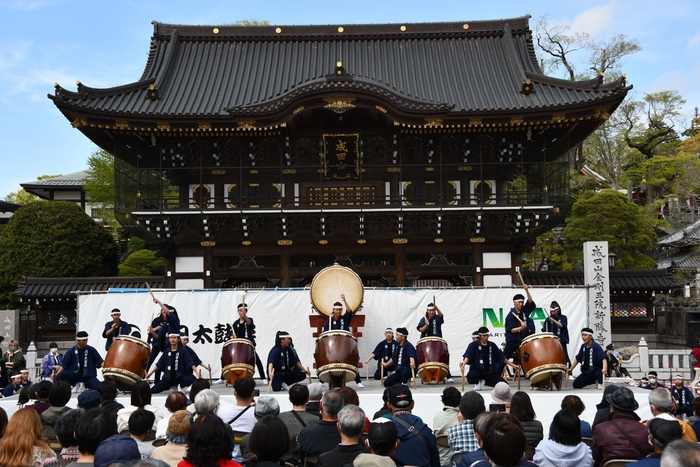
(204, 431)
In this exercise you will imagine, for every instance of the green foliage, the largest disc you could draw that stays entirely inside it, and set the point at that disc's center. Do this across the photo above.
(142, 263)
(249, 22)
(610, 216)
(53, 239)
(549, 250)
(99, 186)
(21, 197)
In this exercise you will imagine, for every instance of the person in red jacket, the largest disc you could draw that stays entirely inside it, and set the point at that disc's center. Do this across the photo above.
(622, 436)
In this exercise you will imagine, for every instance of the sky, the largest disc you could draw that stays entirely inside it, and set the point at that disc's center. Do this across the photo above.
(105, 43)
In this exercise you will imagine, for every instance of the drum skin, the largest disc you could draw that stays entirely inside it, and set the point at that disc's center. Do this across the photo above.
(329, 283)
(542, 356)
(237, 359)
(336, 356)
(433, 359)
(126, 361)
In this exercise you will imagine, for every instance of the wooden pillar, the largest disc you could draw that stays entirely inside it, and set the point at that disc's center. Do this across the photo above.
(285, 267)
(478, 260)
(169, 282)
(400, 259)
(207, 275)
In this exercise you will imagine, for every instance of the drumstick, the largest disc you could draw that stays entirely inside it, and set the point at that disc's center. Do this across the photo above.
(517, 269)
(269, 384)
(209, 370)
(381, 376)
(150, 291)
(522, 323)
(413, 375)
(520, 359)
(367, 372)
(462, 379)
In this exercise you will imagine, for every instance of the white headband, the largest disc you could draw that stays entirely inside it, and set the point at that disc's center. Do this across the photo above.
(586, 332)
(174, 334)
(284, 335)
(389, 330)
(399, 333)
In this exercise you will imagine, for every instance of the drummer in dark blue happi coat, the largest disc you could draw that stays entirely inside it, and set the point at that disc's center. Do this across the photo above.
(283, 363)
(80, 364)
(484, 359)
(431, 326)
(557, 324)
(593, 359)
(339, 321)
(244, 328)
(383, 353)
(165, 323)
(177, 366)
(404, 358)
(115, 328)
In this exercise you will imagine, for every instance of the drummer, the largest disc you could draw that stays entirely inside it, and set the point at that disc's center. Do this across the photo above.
(167, 322)
(115, 328)
(339, 321)
(283, 364)
(244, 328)
(518, 323)
(404, 358)
(593, 359)
(185, 339)
(80, 364)
(431, 326)
(557, 324)
(484, 359)
(383, 353)
(176, 365)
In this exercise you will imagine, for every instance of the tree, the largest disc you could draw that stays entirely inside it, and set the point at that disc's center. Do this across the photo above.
(549, 251)
(606, 152)
(249, 22)
(649, 125)
(53, 239)
(99, 186)
(22, 197)
(609, 216)
(142, 263)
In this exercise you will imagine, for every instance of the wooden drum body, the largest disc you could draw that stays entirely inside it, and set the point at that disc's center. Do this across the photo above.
(126, 361)
(329, 283)
(542, 357)
(237, 359)
(336, 357)
(433, 359)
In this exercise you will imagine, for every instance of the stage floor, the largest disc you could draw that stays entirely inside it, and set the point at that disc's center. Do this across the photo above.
(426, 397)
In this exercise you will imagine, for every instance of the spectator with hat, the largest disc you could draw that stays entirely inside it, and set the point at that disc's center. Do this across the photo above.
(323, 436)
(404, 360)
(558, 324)
(89, 399)
(683, 396)
(315, 395)
(118, 448)
(115, 328)
(622, 436)
(176, 400)
(418, 445)
(176, 365)
(593, 360)
(244, 328)
(80, 364)
(461, 437)
(501, 394)
(662, 432)
(175, 449)
(382, 441)
(485, 361)
(603, 408)
(383, 353)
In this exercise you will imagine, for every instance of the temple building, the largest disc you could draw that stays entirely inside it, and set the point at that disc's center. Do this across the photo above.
(427, 154)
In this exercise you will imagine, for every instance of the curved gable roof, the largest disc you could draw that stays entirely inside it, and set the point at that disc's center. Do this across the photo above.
(455, 69)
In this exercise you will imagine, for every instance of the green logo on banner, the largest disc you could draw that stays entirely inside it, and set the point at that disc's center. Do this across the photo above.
(495, 321)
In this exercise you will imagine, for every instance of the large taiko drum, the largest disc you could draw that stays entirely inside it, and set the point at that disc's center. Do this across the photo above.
(433, 359)
(332, 281)
(126, 361)
(336, 357)
(542, 357)
(237, 359)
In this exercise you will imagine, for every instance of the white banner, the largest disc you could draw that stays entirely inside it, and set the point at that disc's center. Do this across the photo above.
(207, 313)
